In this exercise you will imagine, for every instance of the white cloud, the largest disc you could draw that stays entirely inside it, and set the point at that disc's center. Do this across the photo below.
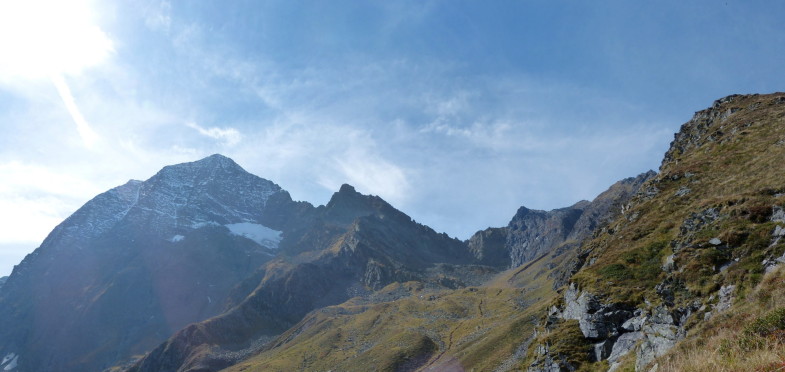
(43, 37)
(34, 199)
(17, 178)
(228, 136)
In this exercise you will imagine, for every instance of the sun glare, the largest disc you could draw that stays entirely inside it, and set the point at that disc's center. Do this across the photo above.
(50, 39)
(42, 38)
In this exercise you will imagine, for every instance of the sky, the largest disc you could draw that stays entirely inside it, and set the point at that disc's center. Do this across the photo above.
(456, 112)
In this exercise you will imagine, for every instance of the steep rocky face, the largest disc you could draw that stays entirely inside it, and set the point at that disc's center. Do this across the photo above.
(532, 233)
(489, 247)
(139, 262)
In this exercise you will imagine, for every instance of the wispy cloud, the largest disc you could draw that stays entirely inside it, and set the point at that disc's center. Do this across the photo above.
(88, 135)
(228, 136)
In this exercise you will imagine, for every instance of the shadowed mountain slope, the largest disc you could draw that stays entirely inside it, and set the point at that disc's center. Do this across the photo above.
(139, 262)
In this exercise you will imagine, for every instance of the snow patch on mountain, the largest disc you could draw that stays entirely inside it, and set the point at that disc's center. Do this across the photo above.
(260, 234)
(176, 238)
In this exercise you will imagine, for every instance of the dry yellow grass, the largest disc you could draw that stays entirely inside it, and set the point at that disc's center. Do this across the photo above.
(721, 345)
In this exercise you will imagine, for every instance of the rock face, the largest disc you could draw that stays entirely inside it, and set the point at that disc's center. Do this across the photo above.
(489, 247)
(616, 330)
(532, 233)
(597, 321)
(692, 134)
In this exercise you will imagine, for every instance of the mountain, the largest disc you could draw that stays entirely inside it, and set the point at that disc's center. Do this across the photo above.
(139, 262)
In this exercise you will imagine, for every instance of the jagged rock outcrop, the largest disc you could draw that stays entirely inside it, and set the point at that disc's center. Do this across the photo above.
(693, 134)
(614, 330)
(532, 233)
(597, 321)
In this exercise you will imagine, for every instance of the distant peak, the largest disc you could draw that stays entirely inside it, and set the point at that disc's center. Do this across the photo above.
(347, 188)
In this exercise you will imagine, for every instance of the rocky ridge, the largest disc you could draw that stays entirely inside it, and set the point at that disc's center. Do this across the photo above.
(648, 280)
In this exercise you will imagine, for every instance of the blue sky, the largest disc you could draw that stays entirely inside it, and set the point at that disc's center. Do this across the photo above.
(456, 112)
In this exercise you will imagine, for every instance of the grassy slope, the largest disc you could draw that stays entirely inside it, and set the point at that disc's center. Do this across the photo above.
(748, 337)
(740, 174)
(479, 328)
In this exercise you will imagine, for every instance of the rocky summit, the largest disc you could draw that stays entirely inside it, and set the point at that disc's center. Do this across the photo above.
(206, 267)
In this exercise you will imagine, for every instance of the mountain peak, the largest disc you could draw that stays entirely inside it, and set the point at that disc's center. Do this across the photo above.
(217, 160)
(347, 188)
(213, 167)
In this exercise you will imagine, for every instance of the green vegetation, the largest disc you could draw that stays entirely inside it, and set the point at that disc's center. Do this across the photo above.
(567, 340)
(734, 176)
(476, 328)
(749, 337)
